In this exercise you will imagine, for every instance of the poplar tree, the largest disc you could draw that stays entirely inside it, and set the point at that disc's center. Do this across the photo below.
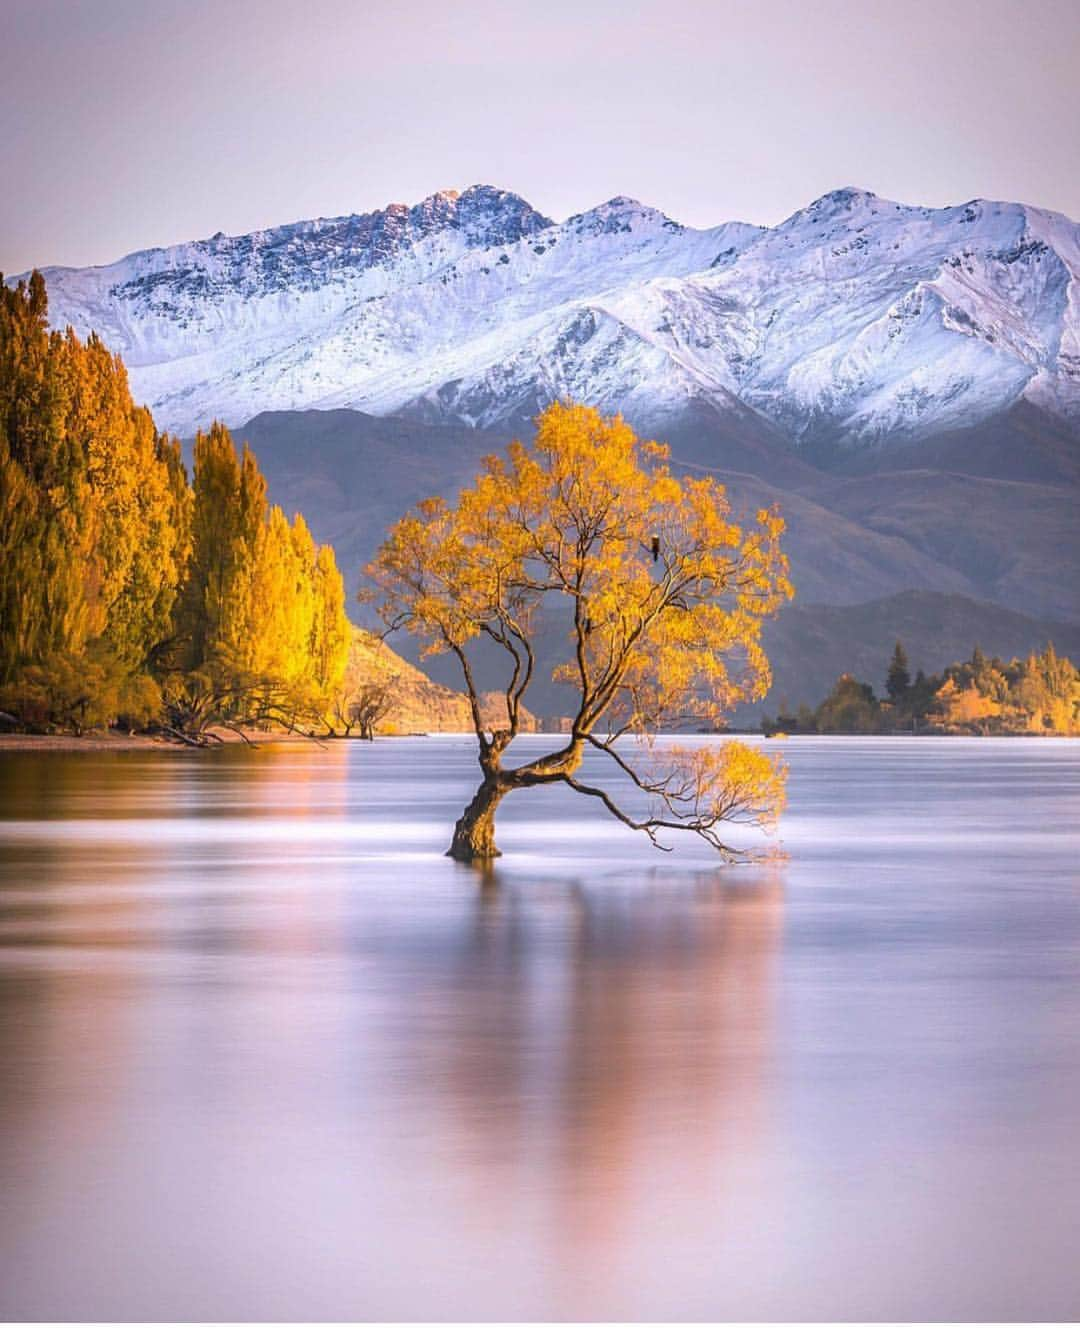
(88, 526)
(116, 573)
(261, 632)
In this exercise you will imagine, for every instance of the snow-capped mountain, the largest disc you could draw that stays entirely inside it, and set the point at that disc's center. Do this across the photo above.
(854, 321)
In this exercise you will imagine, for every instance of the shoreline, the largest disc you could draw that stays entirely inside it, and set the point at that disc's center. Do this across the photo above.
(125, 742)
(15, 742)
(101, 742)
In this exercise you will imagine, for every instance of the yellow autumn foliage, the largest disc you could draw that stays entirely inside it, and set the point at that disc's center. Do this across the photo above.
(662, 589)
(117, 577)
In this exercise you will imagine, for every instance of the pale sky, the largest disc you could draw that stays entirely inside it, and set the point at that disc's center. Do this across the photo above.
(132, 123)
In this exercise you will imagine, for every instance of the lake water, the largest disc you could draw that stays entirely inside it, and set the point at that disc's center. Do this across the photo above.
(266, 1054)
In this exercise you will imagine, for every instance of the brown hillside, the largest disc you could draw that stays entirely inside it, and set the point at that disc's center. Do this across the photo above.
(419, 705)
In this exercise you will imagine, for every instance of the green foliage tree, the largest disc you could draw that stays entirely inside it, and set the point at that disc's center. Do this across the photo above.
(1044, 691)
(898, 680)
(1037, 694)
(851, 707)
(920, 697)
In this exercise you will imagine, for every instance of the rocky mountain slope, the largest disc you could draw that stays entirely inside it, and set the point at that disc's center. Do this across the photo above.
(851, 539)
(995, 559)
(856, 326)
(413, 702)
(904, 382)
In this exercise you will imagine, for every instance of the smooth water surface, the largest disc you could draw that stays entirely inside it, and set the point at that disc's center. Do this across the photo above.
(266, 1054)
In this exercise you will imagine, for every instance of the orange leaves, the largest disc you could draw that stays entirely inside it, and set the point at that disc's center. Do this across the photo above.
(262, 603)
(661, 593)
(92, 552)
(733, 783)
(112, 563)
(663, 588)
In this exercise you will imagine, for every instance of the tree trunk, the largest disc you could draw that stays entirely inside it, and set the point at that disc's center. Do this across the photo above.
(474, 834)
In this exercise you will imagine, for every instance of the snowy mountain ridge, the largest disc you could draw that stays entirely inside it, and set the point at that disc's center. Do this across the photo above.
(854, 322)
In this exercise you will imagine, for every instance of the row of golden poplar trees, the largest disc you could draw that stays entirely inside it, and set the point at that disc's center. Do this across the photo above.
(129, 593)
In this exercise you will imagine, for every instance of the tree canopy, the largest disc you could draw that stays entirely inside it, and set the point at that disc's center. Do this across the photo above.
(1038, 694)
(126, 592)
(898, 678)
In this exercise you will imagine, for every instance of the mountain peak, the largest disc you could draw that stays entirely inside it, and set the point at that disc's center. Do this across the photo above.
(624, 204)
(855, 321)
(621, 213)
(485, 215)
(490, 216)
(846, 199)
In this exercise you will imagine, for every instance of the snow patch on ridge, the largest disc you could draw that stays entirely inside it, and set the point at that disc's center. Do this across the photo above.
(855, 320)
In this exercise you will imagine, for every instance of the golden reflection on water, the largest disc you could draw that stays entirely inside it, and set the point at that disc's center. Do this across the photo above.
(264, 1053)
(668, 1032)
(587, 1043)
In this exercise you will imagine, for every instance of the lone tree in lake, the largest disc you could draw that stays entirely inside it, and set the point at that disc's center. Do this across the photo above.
(663, 594)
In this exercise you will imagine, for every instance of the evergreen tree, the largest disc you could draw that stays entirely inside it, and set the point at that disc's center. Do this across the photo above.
(851, 707)
(921, 694)
(898, 680)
